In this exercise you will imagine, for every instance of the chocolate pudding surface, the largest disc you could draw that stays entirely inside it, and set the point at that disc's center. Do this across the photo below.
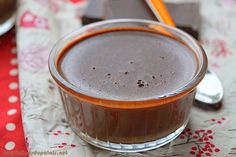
(128, 65)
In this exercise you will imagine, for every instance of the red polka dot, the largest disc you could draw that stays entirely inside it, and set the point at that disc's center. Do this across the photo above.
(192, 152)
(181, 137)
(197, 131)
(64, 144)
(198, 155)
(209, 131)
(210, 150)
(217, 150)
(76, 1)
(208, 154)
(73, 145)
(200, 152)
(194, 148)
(206, 139)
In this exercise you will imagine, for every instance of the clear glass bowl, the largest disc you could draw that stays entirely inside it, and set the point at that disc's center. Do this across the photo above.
(121, 125)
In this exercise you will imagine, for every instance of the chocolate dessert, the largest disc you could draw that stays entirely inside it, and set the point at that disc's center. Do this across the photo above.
(129, 69)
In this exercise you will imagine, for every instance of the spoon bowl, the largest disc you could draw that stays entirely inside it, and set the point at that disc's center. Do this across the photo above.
(210, 90)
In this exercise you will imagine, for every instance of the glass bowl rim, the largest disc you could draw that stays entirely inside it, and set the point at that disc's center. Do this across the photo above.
(169, 97)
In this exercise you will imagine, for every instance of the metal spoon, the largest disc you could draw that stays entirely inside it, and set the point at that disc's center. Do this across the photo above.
(210, 90)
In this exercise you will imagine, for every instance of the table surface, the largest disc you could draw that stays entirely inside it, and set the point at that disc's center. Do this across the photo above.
(210, 132)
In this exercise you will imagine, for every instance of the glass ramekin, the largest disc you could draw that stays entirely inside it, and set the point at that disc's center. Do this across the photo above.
(122, 125)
